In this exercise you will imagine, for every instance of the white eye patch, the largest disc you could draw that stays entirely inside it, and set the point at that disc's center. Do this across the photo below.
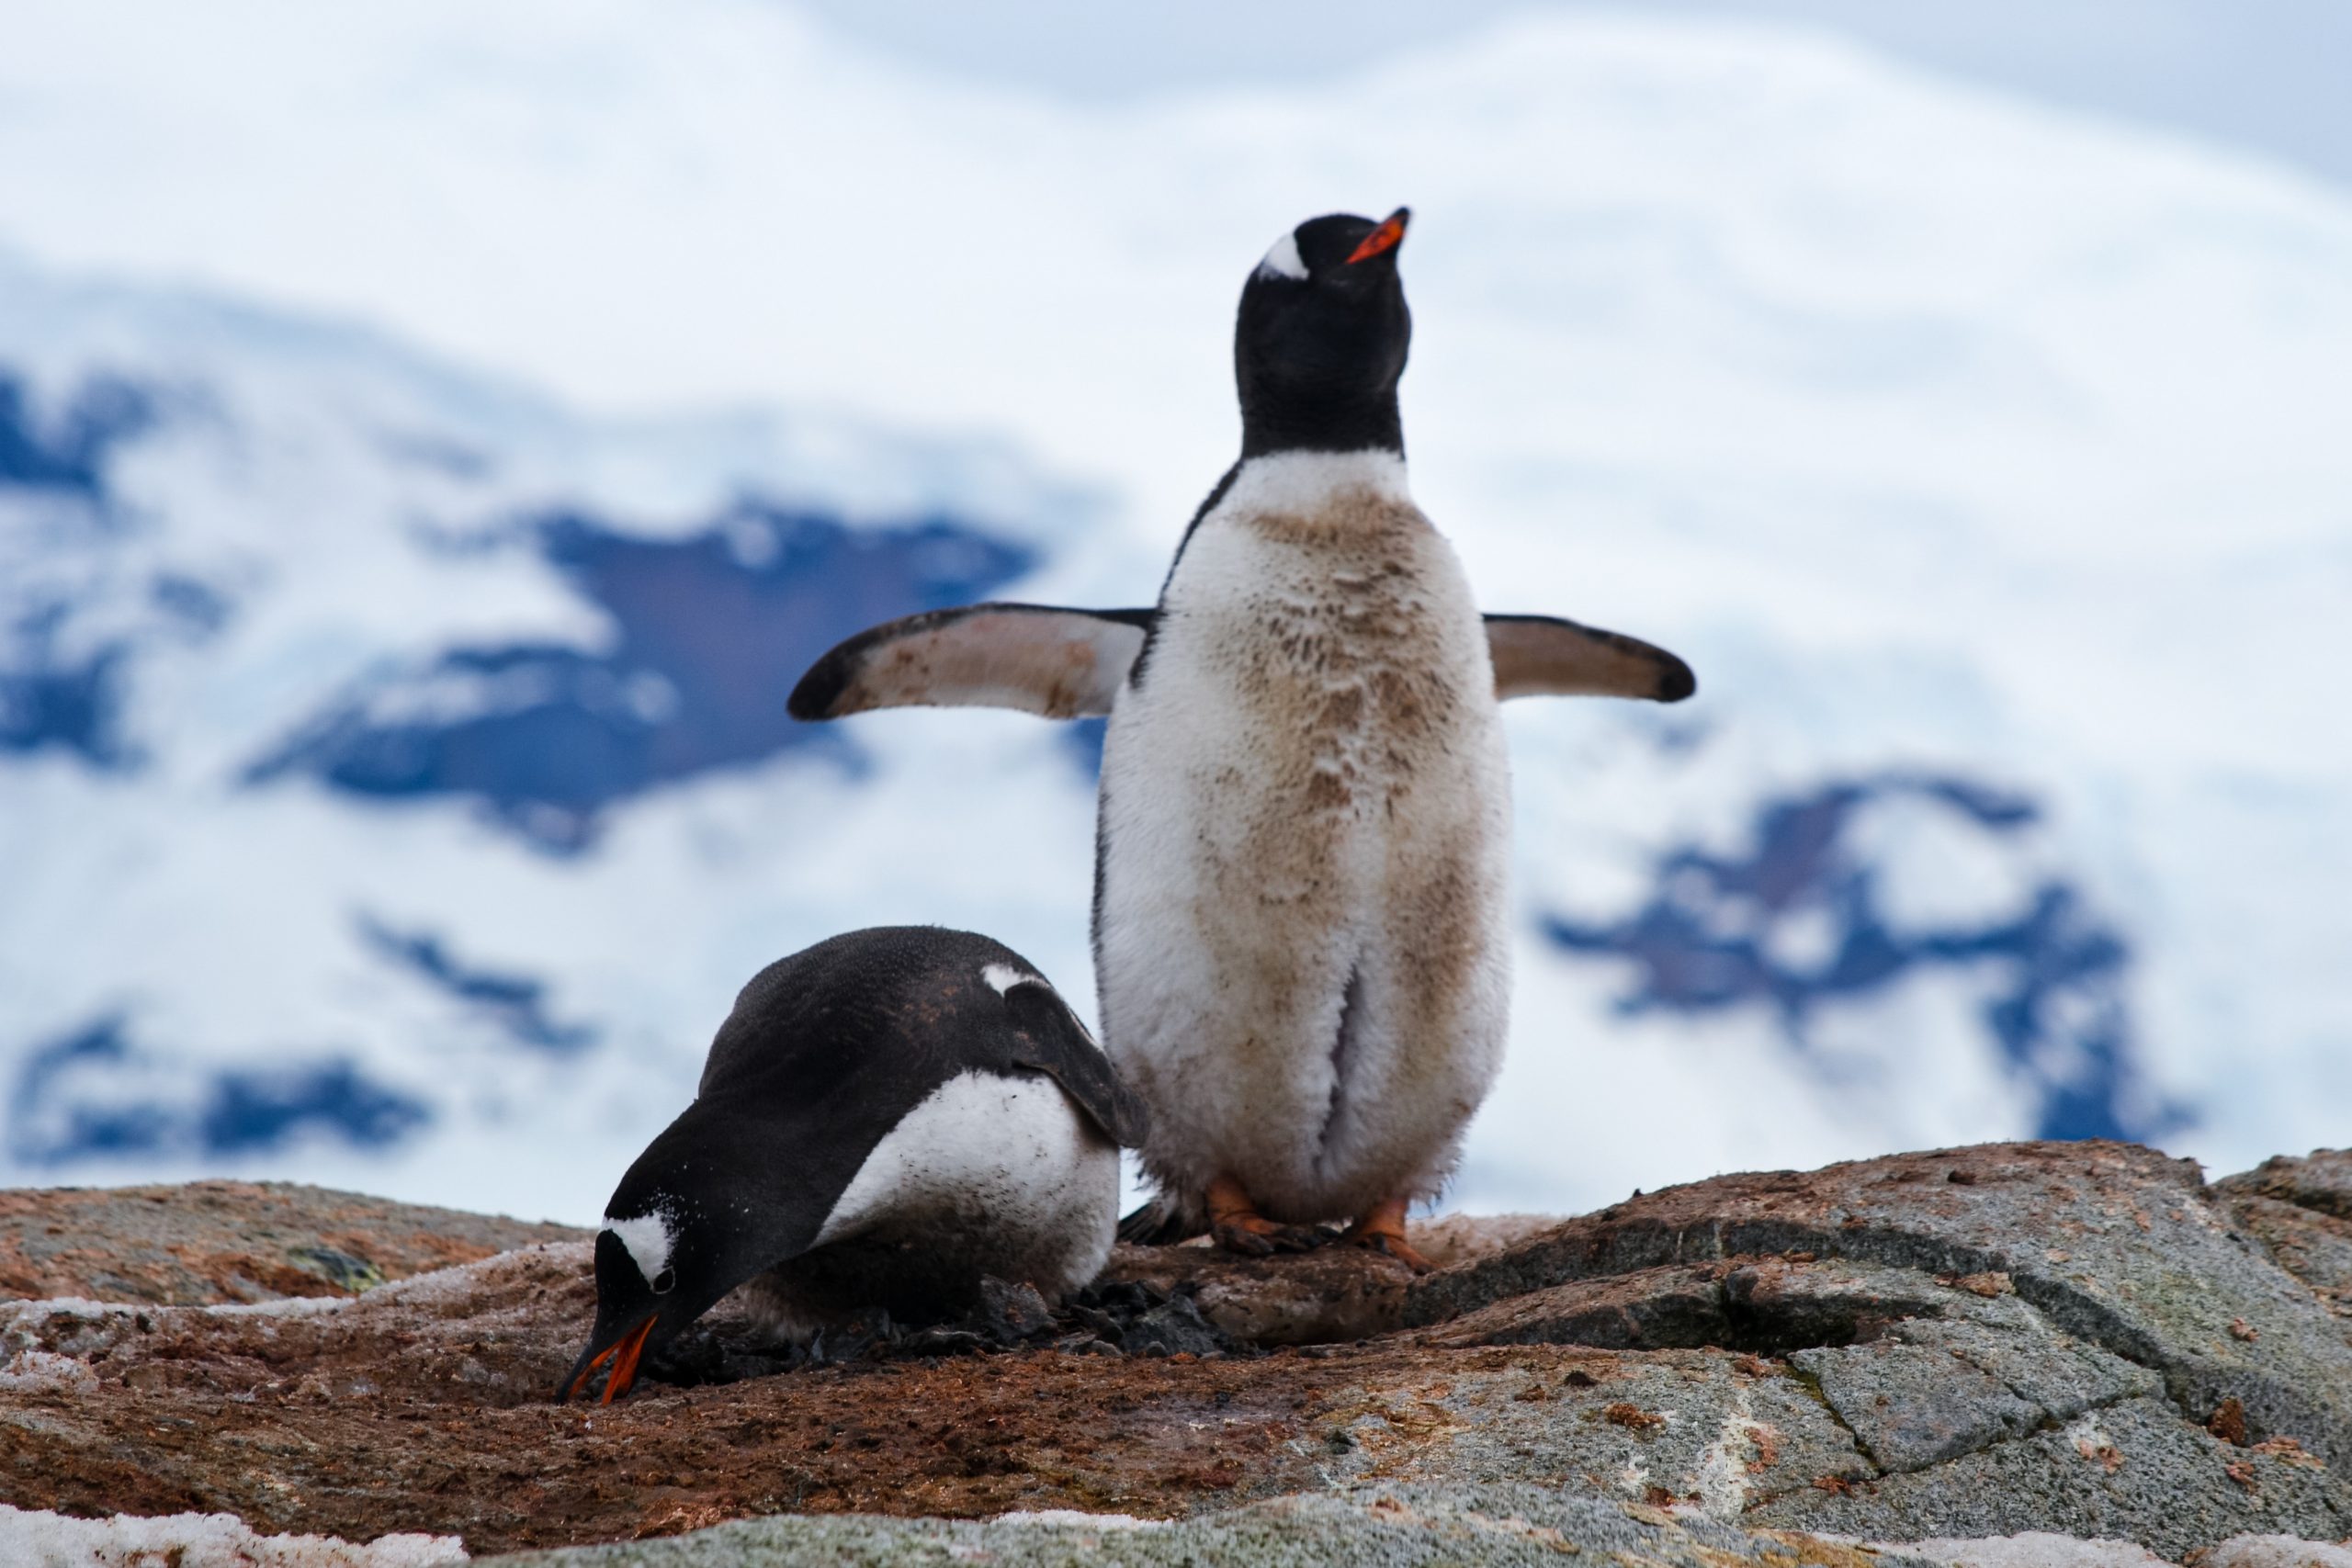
(647, 1236)
(1002, 977)
(1283, 260)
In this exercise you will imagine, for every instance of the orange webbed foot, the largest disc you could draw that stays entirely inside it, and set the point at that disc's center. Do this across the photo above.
(1237, 1226)
(1383, 1230)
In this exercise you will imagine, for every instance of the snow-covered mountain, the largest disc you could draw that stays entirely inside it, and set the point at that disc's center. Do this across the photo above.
(393, 767)
(394, 778)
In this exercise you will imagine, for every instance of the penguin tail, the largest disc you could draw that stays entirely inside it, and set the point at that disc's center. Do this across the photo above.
(1158, 1222)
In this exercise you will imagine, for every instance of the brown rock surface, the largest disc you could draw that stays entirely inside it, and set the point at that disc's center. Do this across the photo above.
(233, 1241)
(2319, 1181)
(424, 1406)
(1968, 1343)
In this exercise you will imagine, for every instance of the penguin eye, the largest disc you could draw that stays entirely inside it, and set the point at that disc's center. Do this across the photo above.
(664, 1281)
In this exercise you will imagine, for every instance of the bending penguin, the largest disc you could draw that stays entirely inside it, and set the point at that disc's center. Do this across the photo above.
(884, 1119)
(1300, 911)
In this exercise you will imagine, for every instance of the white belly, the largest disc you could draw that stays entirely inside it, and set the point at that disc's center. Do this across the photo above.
(986, 1176)
(1009, 1156)
(1301, 936)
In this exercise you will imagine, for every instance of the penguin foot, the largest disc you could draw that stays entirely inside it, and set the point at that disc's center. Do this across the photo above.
(1383, 1230)
(1235, 1225)
(1258, 1237)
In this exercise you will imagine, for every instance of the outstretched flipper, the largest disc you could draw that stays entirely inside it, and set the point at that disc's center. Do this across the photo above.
(1040, 659)
(1542, 656)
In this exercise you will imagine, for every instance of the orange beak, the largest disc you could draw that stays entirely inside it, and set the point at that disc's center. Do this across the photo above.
(629, 1348)
(625, 1369)
(1385, 238)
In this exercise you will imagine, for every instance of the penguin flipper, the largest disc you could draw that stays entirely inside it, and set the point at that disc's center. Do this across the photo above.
(1540, 656)
(1057, 1045)
(1060, 663)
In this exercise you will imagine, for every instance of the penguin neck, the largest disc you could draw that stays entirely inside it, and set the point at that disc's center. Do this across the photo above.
(1302, 484)
(1365, 425)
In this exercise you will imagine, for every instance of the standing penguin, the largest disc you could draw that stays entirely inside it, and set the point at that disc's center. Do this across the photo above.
(884, 1119)
(1300, 905)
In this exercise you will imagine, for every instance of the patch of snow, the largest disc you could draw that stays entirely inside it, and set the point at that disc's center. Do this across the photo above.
(2033, 1549)
(36, 1539)
(2278, 1551)
(1077, 1518)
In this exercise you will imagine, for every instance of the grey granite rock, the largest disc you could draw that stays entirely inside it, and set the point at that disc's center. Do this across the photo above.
(1672, 1427)
(2301, 1209)
(2113, 1244)
(2134, 1472)
(1766, 1306)
(2310, 1244)
(1913, 1405)
(2059, 1376)
(1376, 1527)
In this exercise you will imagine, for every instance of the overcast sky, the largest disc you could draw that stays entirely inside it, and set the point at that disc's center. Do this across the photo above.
(2266, 75)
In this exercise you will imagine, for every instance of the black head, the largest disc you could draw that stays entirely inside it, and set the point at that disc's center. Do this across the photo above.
(1321, 340)
(660, 1261)
(630, 1312)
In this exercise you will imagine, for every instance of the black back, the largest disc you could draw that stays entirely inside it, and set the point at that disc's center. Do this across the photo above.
(825, 1053)
(864, 1025)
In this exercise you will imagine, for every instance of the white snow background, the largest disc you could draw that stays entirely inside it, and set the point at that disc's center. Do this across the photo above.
(1989, 464)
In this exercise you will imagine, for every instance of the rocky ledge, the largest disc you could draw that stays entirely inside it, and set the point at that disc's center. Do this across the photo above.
(1947, 1351)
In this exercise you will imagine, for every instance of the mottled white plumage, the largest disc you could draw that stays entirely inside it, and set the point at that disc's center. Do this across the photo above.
(1301, 942)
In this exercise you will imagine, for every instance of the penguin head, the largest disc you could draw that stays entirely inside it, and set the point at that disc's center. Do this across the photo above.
(703, 1208)
(1321, 339)
(652, 1280)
